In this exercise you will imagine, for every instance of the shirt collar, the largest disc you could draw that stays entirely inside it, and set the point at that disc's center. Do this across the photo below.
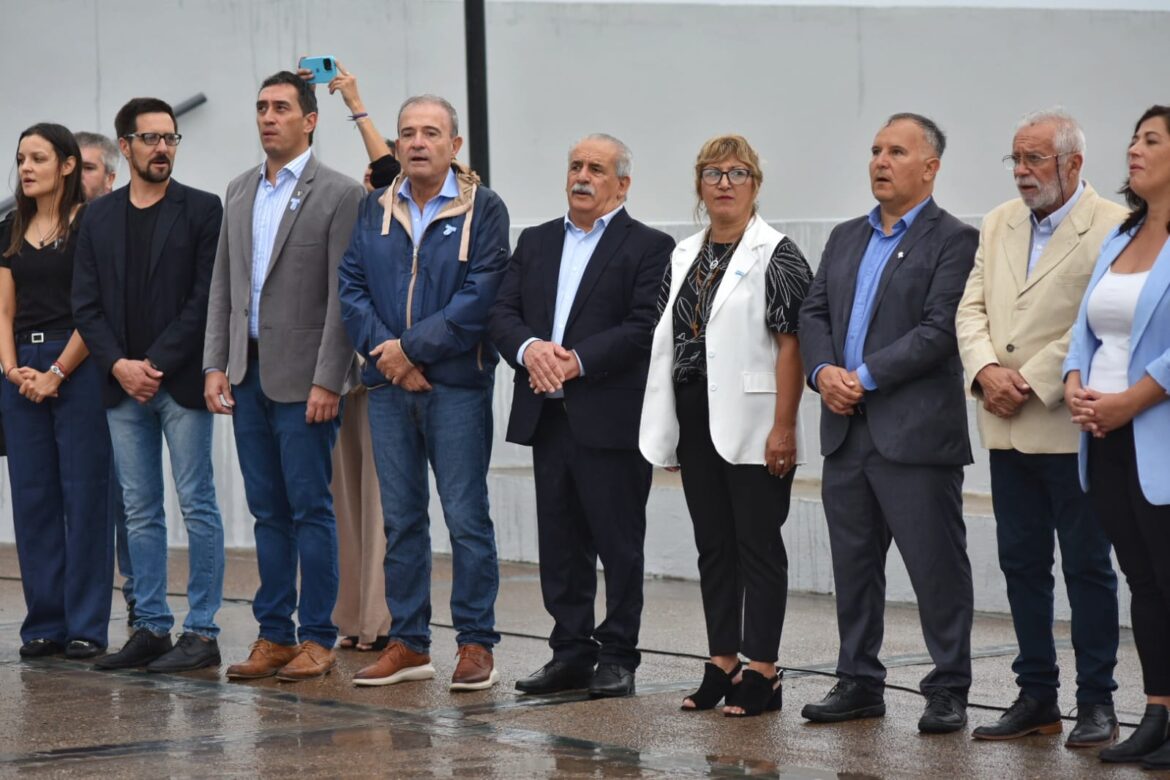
(875, 218)
(1053, 220)
(296, 166)
(603, 221)
(450, 188)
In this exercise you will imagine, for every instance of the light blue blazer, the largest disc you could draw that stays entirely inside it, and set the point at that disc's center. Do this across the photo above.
(1149, 353)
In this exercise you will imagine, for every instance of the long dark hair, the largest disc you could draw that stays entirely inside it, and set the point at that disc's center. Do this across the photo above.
(1138, 208)
(71, 194)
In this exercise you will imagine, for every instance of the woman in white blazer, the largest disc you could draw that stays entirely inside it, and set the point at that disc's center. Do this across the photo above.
(1117, 386)
(722, 397)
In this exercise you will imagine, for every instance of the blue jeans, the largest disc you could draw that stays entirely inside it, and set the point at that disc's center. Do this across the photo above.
(58, 464)
(287, 466)
(117, 512)
(137, 431)
(1038, 500)
(451, 427)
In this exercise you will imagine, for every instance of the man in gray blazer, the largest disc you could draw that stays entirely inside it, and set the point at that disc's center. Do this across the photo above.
(278, 360)
(877, 334)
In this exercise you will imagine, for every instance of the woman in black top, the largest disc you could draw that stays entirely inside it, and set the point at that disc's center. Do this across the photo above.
(722, 398)
(58, 445)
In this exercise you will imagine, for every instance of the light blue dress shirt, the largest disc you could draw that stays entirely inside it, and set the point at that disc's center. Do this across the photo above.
(420, 219)
(1043, 229)
(873, 262)
(575, 253)
(267, 211)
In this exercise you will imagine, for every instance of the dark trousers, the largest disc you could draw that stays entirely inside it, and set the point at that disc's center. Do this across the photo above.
(59, 465)
(869, 501)
(1038, 500)
(1140, 533)
(737, 511)
(590, 504)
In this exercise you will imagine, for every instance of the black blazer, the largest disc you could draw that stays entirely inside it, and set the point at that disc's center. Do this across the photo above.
(181, 258)
(609, 325)
(918, 414)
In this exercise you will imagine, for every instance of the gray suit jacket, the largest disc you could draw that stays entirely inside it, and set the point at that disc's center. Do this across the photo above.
(918, 414)
(302, 341)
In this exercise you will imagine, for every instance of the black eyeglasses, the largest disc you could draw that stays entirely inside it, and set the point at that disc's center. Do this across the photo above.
(152, 139)
(736, 176)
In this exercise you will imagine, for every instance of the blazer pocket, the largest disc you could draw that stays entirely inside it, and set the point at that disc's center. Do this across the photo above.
(759, 382)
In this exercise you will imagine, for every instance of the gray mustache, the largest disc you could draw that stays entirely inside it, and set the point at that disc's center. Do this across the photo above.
(583, 189)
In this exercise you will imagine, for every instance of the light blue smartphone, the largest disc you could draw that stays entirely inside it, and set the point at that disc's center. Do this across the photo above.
(324, 68)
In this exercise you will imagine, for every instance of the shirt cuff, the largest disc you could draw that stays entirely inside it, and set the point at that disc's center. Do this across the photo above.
(866, 378)
(524, 346)
(207, 371)
(580, 365)
(812, 378)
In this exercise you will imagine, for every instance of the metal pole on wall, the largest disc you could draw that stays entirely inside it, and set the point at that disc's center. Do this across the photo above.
(477, 120)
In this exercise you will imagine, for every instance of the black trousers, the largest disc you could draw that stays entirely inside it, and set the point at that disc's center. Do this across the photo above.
(1140, 533)
(737, 511)
(590, 504)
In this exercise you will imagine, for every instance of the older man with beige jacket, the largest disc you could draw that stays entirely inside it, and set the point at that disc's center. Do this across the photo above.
(1036, 253)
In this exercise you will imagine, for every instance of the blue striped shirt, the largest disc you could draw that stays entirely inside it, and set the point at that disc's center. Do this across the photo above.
(267, 211)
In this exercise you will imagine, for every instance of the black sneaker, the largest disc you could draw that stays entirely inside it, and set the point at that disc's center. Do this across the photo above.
(945, 712)
(190, 652)
(849, 700)
(83, 648)
(141, 649)
(39, 648)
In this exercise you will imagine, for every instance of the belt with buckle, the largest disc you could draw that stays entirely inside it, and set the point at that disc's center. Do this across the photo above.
(41, 336)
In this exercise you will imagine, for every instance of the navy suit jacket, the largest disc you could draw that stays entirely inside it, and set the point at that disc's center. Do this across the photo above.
(918, 414)
(181, 258)
(610, 325)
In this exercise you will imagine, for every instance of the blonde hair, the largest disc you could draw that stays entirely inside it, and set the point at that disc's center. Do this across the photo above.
(718, 149)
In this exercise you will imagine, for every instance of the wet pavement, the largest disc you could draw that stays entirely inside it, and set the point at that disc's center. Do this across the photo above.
(63, 719)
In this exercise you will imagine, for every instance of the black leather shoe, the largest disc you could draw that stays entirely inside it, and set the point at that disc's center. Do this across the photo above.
(189, 653)
(556, 676)
(611, 680)
(1096, 726)
(945, 712)
(1159, 759)
(40, 648)
(1148, 737)
(83, 648)
(849, 700)
(1026, 716)
(141, 649)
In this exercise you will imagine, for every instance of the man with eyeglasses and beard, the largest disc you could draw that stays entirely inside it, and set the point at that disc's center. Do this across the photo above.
(1036, 254)
(140, 287)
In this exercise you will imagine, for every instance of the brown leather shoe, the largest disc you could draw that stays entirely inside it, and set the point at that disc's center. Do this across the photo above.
(313, 660)
(265, 660)
(397, 663)
(476, 669)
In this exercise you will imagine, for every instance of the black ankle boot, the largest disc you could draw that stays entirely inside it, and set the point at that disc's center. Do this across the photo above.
(1146, 738)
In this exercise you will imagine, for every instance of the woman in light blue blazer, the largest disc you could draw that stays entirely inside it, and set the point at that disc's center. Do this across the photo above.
(1117, 387)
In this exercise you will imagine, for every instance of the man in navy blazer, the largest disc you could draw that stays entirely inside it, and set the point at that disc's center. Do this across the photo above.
(140, 286)
(877, 334)
(574, 317)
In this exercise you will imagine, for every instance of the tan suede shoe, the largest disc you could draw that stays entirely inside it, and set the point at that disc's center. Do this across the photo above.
(476, 669)
(397, 663)
(313, 660)
(265, 660)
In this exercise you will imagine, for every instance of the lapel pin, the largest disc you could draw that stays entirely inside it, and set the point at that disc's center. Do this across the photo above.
(449, 229)
(739, 273)
(293, 203)
(901, 255)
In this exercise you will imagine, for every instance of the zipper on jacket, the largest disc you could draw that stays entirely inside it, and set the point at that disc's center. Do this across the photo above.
(410, 288)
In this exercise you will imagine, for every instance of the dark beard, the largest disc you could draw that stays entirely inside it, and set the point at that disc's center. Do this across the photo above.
(149, 175)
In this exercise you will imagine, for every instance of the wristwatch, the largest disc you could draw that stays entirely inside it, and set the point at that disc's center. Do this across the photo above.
(56, 369)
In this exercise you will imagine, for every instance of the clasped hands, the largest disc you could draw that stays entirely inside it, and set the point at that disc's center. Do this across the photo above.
(549, 366)
(1004, 390)
(841, 390)
(35, 385)
(397, 368)
(1095, 412)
